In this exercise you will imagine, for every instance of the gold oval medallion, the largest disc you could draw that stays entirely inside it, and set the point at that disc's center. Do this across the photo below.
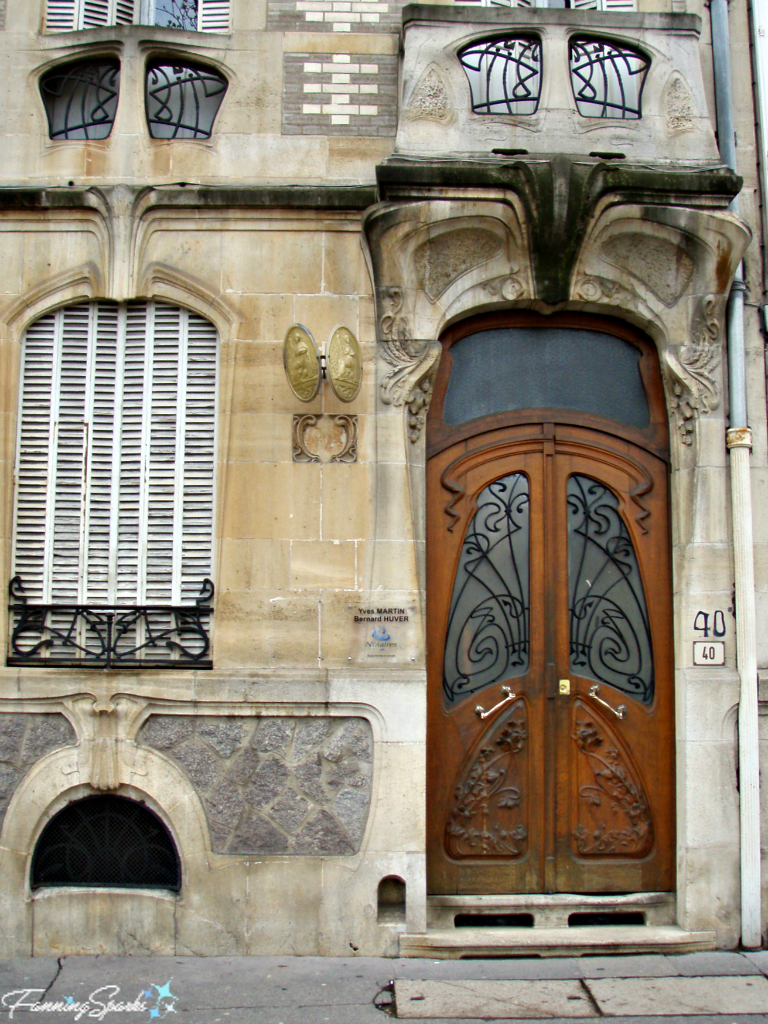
(302, 363)
(344, 364)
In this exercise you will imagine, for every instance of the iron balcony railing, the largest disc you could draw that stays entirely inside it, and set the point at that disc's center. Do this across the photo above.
(110, 636)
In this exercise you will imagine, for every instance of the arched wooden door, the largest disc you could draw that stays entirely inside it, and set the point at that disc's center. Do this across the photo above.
(550, 706)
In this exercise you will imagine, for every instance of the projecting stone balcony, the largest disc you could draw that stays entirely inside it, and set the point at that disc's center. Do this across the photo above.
(507, 83)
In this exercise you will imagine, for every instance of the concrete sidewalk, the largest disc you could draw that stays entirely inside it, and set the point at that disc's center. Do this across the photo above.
(696, 988)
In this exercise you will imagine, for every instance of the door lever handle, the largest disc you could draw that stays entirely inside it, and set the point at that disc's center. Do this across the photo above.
(619, 711)
(507, 690)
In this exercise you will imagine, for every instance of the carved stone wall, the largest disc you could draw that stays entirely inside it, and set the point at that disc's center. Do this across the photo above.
(274, 785)
(24, 739)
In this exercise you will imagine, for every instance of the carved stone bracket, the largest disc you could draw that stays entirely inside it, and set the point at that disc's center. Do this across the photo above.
(321, 438)
(409, 382)
(691, 372)
(105, 772)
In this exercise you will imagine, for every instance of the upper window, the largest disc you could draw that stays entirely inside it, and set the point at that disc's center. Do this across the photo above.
(81, 99)
(504, 75)
(193, 15)
(607, 78)
(182, 100)
(114, 492)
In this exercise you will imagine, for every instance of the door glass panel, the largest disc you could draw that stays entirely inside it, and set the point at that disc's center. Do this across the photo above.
(510, 368)
(610, 635)
(488, 634)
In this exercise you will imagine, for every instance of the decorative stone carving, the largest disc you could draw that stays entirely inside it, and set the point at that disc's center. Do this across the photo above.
(105, 773)
(429, 100)
(410, 381)
(488, 817)
(678, 105)
(599, 289)
(322, 438)
(274, 785)
(661, 265)
(24, 739)
(507, 287)
(691, 372)
(446, 257)
(614, 815)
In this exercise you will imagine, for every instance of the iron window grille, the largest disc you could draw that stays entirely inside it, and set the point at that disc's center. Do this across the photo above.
(607, 78)
(106, 841)
(81, 99)
(182, 100)
(109, 636)
(504, 75)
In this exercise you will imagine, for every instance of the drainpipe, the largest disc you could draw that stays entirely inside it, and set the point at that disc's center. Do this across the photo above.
(739, 441)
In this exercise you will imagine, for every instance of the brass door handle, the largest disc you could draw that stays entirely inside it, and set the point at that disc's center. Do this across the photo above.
(619, 711)
(507, 690)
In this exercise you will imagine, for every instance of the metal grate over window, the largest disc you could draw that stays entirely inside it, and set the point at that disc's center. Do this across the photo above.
(183, 100)
(504, 75)
(607, 78)
(106, 841)
(81, 99)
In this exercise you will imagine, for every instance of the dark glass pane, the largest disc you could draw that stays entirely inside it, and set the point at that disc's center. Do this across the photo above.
(176, 14)
(81, 99)
(610, 631)
(488, 637)
(106, 841)
(504, 75)
(183, 100)
(511, 368)
(607, 78)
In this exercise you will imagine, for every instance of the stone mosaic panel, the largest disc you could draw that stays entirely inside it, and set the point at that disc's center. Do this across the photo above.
(339, 94)
(24, 739)
(334, 15)
(274, 785)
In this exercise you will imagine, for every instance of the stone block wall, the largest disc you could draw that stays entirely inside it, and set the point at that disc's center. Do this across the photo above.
(274, 785)
(24, 739)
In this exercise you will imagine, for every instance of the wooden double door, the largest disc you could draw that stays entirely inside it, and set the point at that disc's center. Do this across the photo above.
(550, 728)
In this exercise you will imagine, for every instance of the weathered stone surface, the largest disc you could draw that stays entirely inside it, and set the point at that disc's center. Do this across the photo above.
(24, 739)
(274, 785)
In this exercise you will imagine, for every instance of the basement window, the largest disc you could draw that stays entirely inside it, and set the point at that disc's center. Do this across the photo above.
(80, 99)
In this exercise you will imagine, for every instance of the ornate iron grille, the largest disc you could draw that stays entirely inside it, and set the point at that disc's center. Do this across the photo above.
(504, 75)
(106, 841)
(488, 629)
(81, 99)
(607, 79)
(177, 14)
(609, 626)
(183, 100)
(110, 636)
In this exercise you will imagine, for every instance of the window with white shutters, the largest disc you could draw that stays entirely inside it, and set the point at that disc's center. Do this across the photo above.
(115, 469)
(585, 5)
(193, 15)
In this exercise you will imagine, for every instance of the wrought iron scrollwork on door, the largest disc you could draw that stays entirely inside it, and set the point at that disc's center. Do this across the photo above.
(488, 624)
(610, 633)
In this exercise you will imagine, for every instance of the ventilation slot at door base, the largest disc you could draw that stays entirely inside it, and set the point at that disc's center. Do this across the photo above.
(591, 919)
(493, 921)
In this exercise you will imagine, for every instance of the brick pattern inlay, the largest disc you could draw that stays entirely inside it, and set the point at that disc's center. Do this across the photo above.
(334, 15)
(24, 739)
(274, 785)
(339, 94)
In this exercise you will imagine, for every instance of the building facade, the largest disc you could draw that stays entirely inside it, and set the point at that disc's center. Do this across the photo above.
(368, 461)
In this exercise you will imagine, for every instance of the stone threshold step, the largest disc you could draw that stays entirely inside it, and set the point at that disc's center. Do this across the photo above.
(557, 899)
(458, 943)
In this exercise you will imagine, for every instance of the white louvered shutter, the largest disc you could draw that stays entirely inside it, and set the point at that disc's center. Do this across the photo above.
(213, 16)
(115, 465)
(604, 5)
(94, 13)
(61, 15)
(124, 12)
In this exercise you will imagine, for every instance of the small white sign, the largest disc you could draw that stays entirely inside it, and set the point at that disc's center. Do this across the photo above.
(708, 652)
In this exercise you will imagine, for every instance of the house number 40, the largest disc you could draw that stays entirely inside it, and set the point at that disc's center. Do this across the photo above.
(709, 651)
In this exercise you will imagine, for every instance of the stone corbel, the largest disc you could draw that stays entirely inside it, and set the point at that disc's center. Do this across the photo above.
(102, 726)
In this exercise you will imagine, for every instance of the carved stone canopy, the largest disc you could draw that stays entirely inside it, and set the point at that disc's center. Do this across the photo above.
(655, 247)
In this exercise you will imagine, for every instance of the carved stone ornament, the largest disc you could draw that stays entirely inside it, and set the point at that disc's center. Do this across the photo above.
(691, 372)
(344, 364)
(409, 382)
(678, 105)
(614, 818)
(320, 438)
(105, 774)
(507, 287)
(301, 360)
(489, 813)
(429, 100)
(446, 257)
(659, 264)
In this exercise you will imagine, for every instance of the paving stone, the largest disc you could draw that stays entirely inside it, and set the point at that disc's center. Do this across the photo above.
(500, 1000)
(759, 958)
(669, 996)
(718, 962)
(648, 966)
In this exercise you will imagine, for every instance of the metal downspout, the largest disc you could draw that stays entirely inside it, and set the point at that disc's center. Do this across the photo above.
(739, 441)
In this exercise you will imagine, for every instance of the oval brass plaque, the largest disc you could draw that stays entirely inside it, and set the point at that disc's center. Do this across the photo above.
(302, 363)
(344, 364)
